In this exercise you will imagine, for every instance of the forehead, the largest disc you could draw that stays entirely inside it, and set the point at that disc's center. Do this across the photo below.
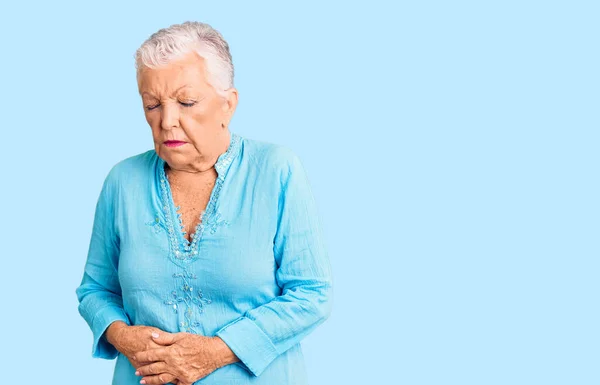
(186, 73)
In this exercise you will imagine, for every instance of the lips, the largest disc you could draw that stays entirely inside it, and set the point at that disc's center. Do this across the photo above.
(174, 143)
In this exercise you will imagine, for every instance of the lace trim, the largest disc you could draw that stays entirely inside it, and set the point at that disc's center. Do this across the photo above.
(187, 297)
(182, 249)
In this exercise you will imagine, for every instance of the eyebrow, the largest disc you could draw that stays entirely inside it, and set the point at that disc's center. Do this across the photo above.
(174, 92)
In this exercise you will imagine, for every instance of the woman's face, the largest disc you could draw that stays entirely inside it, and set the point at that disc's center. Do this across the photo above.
(180, 105)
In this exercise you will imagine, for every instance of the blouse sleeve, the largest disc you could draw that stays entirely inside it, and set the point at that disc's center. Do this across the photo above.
(303, 273)
(99, 294)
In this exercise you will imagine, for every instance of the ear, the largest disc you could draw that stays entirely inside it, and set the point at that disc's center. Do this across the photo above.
(164, 338)
(230, 101)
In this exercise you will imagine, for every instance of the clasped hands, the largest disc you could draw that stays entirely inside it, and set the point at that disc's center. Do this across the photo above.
(161, 357)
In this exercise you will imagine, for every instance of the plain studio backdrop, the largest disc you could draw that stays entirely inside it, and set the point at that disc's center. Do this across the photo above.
(452, 147)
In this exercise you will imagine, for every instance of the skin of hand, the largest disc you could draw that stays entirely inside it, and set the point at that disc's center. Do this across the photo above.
(183, 356)
(130, 340)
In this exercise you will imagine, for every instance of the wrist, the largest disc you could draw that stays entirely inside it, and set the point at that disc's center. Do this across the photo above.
(225, 355)
(113, 331)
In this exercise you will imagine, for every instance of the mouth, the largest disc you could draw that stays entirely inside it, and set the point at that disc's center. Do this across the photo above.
(174, 143)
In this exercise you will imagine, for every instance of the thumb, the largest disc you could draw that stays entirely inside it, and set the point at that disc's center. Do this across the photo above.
(163, 338)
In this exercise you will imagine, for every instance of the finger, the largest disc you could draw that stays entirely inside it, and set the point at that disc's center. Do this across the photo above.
(164, 338)
(151, 355)
(159, 379)
(153, 368)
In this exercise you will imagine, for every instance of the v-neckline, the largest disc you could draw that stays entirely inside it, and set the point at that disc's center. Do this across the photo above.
(182, 248)
(201, 220)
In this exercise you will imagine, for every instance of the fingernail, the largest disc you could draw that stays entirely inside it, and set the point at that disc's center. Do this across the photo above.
(137, 373)
(133, 357)
(142, 381)
(155, 335)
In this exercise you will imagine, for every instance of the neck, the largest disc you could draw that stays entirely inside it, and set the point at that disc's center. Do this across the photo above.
(203, 165)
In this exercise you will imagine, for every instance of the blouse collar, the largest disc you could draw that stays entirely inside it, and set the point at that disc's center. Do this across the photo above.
(224, 161)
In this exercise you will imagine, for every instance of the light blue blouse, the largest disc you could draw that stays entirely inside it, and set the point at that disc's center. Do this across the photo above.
(256, 274)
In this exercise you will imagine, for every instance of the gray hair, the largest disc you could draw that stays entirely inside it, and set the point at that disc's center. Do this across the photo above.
(178, 40)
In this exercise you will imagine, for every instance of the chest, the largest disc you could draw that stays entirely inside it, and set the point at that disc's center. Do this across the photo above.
(192, 200)
(235, 252)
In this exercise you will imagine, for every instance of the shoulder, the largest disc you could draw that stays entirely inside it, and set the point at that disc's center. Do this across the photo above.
(131, 168)
(271, 157)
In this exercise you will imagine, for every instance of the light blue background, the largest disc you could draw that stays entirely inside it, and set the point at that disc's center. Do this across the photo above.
(452, 148)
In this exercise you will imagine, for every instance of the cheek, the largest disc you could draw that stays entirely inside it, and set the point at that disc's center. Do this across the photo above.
(206, 114)
(192, 119)
(153, 120)
(154, 127)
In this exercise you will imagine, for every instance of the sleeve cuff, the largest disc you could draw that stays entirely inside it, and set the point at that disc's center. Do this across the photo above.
(249, 343)
(102, 320)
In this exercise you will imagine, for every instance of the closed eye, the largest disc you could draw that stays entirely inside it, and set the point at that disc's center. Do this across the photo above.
(152, 107)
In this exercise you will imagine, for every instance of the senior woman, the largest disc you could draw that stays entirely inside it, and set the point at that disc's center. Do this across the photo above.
(206, 260)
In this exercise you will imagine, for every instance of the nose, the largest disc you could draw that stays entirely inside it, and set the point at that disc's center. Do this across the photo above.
(170, 116)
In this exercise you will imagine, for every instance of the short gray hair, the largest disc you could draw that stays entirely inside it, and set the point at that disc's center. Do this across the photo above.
(178, 40)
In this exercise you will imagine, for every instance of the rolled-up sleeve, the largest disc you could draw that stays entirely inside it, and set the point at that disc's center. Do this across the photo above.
(303, 273)
(99, 294)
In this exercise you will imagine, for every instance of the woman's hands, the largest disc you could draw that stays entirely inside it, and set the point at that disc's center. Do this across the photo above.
(183, 356)
(130, 340)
